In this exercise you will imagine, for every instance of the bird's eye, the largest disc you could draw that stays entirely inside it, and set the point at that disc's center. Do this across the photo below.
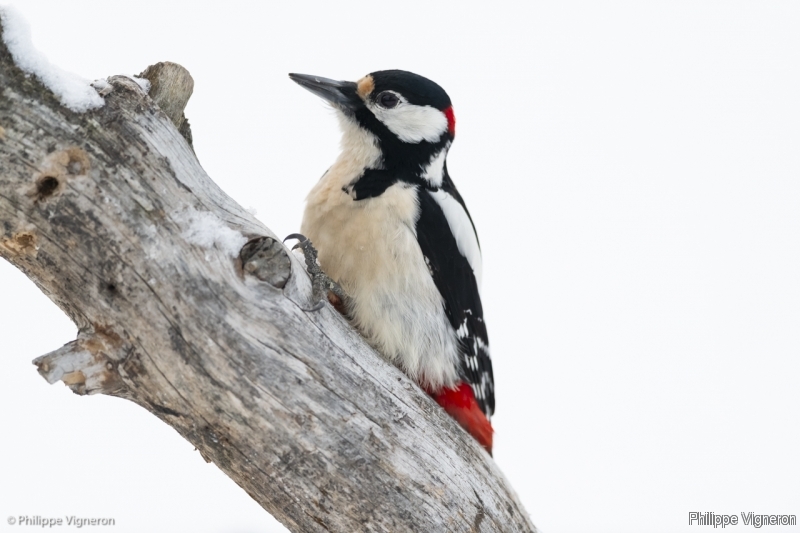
(388, 100)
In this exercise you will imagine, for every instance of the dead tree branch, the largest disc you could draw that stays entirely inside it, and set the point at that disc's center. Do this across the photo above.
(109, 212)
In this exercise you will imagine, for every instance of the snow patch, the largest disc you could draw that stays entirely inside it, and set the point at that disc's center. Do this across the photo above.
(143, 83)
(207, 230)
(73, 91)
(102, 87)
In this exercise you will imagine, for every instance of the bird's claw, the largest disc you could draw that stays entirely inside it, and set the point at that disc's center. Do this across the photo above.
(322, 286)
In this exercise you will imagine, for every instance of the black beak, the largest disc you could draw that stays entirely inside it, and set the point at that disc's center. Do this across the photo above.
(339, 93)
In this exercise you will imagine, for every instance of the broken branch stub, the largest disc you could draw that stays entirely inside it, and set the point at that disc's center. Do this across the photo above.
(171, 86)
(111, 215)
(87, 365)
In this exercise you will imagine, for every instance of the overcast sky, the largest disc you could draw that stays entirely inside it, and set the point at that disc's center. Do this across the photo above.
(633, 170)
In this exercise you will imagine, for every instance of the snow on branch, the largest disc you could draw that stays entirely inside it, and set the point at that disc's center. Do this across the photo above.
(73, 91)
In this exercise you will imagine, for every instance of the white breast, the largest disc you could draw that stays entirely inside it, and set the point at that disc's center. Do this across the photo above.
(370, 248)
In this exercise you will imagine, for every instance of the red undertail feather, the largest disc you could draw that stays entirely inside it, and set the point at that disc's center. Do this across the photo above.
(460, 404)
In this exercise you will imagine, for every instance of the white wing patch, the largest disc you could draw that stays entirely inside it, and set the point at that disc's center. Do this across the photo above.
(462, 229)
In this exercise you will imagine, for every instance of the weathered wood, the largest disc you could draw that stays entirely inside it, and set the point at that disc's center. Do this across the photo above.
(111, 215)
(171, 86)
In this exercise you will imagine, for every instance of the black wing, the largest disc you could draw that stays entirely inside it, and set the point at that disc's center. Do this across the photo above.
(439, 222)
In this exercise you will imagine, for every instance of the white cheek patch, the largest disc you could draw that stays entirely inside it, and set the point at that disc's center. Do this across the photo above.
(463, 231)
(412, 123)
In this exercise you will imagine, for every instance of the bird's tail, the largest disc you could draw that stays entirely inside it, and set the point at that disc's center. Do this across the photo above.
(460, 403)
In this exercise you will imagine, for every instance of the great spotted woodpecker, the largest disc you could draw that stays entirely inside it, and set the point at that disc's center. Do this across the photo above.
(393, 231)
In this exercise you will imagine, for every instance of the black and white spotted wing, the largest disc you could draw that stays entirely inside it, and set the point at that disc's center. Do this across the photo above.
(448, 240)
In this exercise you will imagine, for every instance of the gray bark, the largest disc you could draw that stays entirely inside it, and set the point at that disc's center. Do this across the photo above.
(111, 215)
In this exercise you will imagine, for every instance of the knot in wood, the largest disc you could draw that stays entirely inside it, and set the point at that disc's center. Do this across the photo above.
(55, 169)
(266, 259)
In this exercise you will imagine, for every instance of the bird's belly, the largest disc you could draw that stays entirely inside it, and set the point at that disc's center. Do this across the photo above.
(370, 248)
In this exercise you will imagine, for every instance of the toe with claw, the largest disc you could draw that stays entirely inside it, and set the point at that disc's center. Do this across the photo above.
(322, 285)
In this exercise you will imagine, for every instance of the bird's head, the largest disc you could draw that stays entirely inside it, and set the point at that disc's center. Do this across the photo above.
(409, 116)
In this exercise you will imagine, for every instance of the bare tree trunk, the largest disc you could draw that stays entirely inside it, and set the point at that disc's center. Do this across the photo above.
(111, 215)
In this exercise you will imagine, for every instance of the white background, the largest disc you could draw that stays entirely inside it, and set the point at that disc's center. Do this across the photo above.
(633, 169)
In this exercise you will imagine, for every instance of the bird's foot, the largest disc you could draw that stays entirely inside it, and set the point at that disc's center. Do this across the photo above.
(322, 286)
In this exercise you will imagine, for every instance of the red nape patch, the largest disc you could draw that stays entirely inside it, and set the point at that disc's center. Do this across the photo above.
(460, 403)
(451, 120)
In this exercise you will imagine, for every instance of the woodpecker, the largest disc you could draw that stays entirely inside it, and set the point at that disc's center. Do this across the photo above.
(391, 228)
